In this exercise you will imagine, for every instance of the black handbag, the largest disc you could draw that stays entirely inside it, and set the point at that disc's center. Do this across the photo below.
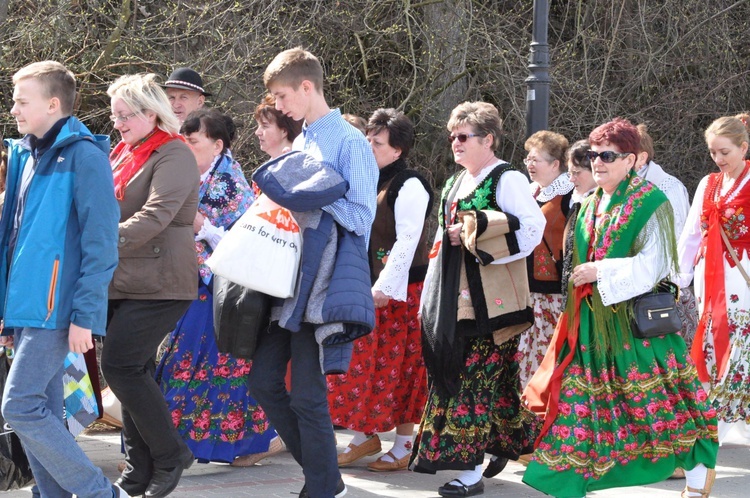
(240, 315)
(655, 313)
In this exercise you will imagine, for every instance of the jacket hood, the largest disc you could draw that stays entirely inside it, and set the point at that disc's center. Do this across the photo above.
(299, 182)
(71, 131)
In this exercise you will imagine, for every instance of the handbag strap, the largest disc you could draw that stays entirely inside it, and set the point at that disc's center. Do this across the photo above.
(665, 285)
(733, 254)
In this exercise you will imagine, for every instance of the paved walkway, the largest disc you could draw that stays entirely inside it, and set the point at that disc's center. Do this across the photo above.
(280, 477)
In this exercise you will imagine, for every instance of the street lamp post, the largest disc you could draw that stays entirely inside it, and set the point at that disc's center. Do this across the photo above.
(537, 84)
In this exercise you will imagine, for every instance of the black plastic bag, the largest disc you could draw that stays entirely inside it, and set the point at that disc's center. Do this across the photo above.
(14, 465)
(240, 315)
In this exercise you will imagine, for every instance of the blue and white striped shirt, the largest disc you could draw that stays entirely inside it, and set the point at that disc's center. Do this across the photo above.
(343, 148)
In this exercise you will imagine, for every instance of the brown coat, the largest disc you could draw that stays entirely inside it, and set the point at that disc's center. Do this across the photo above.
(157, 244)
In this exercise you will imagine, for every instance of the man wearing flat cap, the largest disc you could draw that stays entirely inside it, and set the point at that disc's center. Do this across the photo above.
(185, 91)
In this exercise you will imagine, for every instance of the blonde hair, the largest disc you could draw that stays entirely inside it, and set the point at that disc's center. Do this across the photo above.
(735, 128)
(141, 92)
(554, 144)
(483, 118)
(292, 67)
(56, 80)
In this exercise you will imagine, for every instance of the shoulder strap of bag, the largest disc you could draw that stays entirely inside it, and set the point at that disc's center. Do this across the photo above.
(733, 254)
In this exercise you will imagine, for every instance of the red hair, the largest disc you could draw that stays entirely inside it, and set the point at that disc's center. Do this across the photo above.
(619, 132)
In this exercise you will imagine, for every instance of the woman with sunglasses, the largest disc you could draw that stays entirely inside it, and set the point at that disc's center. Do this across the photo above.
(715, 247)
(474, 304)
(618, 410)
(553, 191)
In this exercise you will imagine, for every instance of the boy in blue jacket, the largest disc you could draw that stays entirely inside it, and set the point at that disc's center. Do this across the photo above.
(58, 250)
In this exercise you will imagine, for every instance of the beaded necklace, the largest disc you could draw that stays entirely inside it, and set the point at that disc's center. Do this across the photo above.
(716, 196)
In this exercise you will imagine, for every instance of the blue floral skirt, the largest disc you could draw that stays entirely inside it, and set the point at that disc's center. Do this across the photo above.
(207, 391)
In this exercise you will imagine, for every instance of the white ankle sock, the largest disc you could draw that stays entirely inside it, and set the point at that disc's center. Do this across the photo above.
(401, 448)
(468, 477)
(696, 478)
(359, 438)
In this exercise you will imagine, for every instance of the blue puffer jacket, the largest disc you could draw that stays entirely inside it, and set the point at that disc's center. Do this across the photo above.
(333, 288)
(66, 249)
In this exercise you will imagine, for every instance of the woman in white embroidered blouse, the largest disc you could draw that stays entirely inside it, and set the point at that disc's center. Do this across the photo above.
(386, 386)
(721, 349)
(474, 405)
(618, 409)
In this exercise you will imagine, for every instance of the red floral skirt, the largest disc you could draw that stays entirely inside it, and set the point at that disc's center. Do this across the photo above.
(386, 384)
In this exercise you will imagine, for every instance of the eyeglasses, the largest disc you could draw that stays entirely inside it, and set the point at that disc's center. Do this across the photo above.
(533, 160)
(462, 137)
(121, 119)
(576, 173)
(607, 156)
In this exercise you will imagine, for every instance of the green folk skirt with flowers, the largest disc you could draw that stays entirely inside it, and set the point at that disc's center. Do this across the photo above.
(625, 421)
(485, 416)
(621, 411)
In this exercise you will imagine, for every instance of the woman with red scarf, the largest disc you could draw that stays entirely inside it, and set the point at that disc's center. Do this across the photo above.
(715, 240)
(156, 183)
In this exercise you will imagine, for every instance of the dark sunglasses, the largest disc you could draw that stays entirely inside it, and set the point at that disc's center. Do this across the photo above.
(462, 137)
(608, 156)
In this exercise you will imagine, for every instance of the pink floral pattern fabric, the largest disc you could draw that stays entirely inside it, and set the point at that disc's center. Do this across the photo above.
(207, 391)
(486, 416)
(630, 410)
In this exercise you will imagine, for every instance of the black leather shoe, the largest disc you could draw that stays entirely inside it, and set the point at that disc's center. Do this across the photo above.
(449, 489)
(163, 481)
(131, 487)
(496, 465)
(340, 490)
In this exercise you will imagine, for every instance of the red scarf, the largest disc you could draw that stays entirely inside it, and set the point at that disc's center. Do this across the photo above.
(714, 208)
(127, 160)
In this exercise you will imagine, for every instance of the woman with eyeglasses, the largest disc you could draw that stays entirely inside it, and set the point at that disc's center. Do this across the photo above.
(715, 248)
(553, 191)
(156, 183)
(579, 172)
(618, 410)
(475, 304)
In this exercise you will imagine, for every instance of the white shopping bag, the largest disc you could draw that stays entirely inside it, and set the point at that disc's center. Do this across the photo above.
(261, 251)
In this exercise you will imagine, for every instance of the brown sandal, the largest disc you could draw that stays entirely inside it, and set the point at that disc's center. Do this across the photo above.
(705, 492)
